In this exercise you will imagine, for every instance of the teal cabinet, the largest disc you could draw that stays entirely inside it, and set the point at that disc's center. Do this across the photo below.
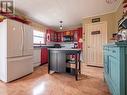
(115, 68)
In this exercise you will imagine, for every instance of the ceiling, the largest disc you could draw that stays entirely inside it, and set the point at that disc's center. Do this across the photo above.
(71, 12)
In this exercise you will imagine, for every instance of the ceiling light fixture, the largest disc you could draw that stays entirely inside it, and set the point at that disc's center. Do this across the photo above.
(61, 25)
(110, 1)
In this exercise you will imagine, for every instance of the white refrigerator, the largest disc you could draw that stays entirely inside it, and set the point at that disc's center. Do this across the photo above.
(16, 50)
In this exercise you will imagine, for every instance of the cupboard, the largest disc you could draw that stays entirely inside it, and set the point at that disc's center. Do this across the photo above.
(115, 73)
(37, 57)
(53, 36)
(50, 35)
(44, 55)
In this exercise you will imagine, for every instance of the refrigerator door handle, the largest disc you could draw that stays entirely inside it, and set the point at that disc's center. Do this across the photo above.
(22, 46)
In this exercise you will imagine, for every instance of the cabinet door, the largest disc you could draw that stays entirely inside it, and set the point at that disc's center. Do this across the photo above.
(14, 38)
(37, 56)
(27, 40)
(76, 36)
(62, 34)
(55, 37)
(53, 62)
(114, 74)
(44, 55)
(106, 64)
(48, 36)
(59, 37)
(58, 61)
(51, 36)
(61, 59)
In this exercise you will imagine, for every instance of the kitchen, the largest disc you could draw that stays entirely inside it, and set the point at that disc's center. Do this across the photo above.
(65, 39)
(61, 48)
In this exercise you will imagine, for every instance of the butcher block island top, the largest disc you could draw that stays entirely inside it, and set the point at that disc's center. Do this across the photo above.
(57, 60)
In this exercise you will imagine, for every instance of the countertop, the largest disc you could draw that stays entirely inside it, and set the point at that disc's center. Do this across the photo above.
(43, 46)
(121, 43)
(64, 49)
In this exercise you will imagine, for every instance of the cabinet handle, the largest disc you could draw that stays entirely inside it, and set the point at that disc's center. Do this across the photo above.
(22, 28)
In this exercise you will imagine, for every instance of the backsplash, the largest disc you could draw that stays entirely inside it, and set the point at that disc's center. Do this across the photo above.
(63, 44)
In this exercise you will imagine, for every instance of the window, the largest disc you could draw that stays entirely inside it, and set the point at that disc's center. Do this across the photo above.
(39, 37)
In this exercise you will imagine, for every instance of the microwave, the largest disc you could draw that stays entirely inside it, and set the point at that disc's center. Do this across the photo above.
(67, 38)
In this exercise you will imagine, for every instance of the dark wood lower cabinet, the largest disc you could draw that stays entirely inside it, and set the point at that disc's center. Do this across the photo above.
(44, 55)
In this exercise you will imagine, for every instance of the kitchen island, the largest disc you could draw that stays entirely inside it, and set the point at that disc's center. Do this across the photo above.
(57, 59)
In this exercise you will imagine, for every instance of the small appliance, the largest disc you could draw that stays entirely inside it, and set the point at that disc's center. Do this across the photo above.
(67, 38)
(57, 46)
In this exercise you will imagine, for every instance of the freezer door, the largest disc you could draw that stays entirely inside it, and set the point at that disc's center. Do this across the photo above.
(14, 38)
(28, 40)
(19, 67)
